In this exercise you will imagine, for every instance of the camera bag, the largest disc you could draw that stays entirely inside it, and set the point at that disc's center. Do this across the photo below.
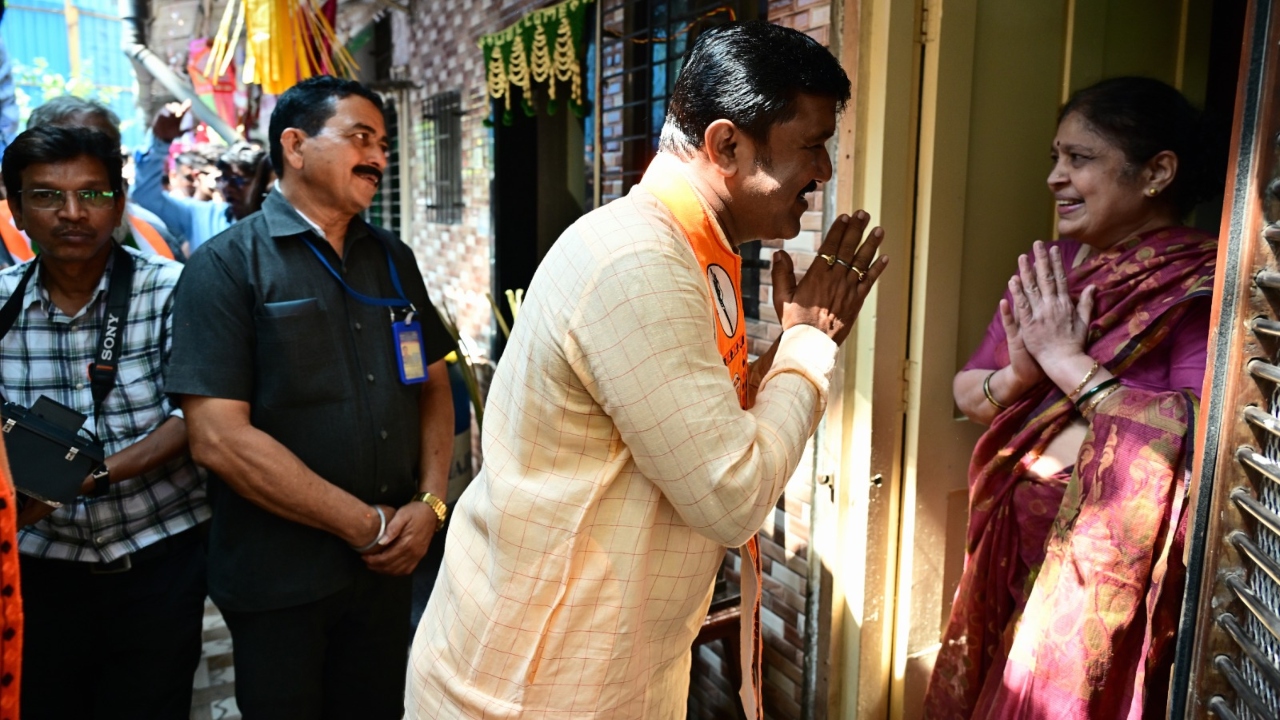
(49, 458)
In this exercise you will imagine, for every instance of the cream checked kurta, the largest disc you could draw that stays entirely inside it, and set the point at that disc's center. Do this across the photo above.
(618, 466)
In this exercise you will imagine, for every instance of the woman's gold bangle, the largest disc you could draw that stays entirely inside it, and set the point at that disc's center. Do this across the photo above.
(1087, 377)
(986, 390)
(1095, 402)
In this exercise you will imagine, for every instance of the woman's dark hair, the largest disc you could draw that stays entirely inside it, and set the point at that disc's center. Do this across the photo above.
(52, 144)
(307, 106)
(750, 74)
(1143, 117)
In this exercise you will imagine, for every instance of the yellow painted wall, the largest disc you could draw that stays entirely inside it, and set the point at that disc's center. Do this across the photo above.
(1017, 69)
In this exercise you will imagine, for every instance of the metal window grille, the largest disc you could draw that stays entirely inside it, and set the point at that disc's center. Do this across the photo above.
(385, 210)
(442, 161)
(751, 267)
(643, 47)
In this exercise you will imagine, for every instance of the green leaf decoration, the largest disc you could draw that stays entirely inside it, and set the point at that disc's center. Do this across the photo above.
(542, 49)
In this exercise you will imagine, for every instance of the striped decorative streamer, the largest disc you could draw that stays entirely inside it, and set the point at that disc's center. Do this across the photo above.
(286, 41)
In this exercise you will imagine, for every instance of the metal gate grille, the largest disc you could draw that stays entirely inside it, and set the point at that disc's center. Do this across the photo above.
(1232, 610)
(644, 45)
(442, 157)
(1254, 674)
(385, 210)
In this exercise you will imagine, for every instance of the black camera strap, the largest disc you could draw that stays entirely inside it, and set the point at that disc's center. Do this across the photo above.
(102, 371)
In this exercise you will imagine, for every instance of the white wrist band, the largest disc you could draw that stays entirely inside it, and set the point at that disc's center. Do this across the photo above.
(382, 530)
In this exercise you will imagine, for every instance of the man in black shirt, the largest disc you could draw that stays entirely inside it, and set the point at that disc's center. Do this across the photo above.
(301, 339)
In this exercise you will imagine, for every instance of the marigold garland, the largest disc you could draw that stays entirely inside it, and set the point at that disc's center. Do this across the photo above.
(523, 55)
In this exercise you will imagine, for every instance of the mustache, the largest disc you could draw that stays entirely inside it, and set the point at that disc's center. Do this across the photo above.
(60, 230)
(368, 170)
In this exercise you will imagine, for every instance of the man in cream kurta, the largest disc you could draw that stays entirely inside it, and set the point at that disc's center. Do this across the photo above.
(619, 462)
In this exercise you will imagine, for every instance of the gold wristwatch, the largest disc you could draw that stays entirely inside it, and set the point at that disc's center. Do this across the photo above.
(436, 504)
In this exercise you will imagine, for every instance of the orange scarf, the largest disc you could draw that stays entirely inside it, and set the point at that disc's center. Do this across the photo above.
(145, 232)
(722, 268)
(14, 239)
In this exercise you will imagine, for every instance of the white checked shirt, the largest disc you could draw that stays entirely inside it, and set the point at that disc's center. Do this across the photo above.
(48, 353)
(618, 466)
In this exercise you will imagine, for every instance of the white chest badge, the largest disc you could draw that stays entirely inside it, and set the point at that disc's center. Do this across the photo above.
(726, 299)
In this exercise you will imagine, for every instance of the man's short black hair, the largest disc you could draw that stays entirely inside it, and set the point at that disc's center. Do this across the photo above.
(190, 159)
(750, 74)
(243, 156)
(307, 106)
(53, 144)
(61, 109)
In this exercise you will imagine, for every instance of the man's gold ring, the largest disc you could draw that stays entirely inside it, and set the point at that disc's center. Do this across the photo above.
(832, 260)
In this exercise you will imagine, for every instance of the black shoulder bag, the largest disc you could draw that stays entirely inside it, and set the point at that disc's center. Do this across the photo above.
(48, 456)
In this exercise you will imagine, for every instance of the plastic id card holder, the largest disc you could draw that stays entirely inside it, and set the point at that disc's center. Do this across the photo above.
(408, 337)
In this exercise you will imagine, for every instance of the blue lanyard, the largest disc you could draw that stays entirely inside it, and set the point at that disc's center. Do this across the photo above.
(366, 299)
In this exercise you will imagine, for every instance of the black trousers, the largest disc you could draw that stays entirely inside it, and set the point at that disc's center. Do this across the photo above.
(340, 657)
(106, 646)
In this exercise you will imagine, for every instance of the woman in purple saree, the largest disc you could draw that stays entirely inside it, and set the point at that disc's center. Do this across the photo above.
(1089, 378)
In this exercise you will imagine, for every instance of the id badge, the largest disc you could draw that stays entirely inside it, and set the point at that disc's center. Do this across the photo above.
(408, 337)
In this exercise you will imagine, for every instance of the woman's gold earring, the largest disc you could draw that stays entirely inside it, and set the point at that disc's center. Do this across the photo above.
(1153, 191)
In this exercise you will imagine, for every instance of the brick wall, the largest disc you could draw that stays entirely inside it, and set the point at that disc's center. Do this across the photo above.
(443, 56)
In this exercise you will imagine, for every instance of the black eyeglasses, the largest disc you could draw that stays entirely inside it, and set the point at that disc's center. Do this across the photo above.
(42, 199)
(236, 180)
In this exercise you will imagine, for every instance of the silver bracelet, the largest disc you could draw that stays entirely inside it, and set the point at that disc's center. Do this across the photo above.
(382, 530)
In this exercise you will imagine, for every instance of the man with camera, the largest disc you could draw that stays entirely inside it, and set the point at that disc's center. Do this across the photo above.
(113, 582)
